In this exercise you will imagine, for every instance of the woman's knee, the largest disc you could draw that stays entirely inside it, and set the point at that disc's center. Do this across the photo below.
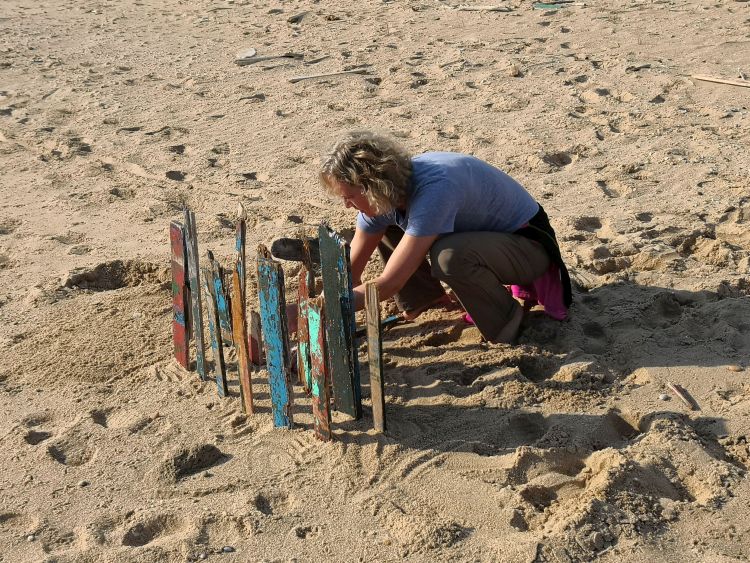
(448, 260)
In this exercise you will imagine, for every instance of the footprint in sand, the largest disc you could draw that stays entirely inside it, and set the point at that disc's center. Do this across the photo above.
(152, 527)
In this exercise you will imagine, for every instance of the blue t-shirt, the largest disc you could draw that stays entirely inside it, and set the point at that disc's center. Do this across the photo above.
(456, 193)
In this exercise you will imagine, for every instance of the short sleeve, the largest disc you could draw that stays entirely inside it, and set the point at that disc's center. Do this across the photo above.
(374, 225)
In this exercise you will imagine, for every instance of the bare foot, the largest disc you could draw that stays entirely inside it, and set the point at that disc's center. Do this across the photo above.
(442, 301)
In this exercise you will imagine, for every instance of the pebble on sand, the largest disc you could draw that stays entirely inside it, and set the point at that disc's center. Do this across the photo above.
(664, 397)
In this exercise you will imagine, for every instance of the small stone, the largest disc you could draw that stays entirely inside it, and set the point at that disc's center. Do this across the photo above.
(735, 367)
(514, 71)
(30, 537)
(83, 484)
(597, 540)
(227, 549)
(663, 397)
(202, 556)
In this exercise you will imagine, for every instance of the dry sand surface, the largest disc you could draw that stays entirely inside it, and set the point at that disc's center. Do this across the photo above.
(114, 114)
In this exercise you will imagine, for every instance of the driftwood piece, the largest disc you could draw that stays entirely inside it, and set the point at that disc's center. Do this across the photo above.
(296, 79)
(319, 388)
(191, 233)
(375, 356)
(273, 321)
(704, 78)
(303, 335)
(339, 314)
(214, 329)
(239, 329)
(180, 298)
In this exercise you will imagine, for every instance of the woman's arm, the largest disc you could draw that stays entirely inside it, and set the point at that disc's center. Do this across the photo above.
(362, 246)
(405, 260)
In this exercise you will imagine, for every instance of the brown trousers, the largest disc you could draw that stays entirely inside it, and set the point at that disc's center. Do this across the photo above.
(476, 266)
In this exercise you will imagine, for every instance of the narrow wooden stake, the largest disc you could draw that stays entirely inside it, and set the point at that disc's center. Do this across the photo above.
(195, 293)
(256, 337)
(273, 320)
(340, 327)
(222, 302)
(704, 78)
(680, 395)
(239, 329)
(321, 400)
(240, 248)
(375, 356)
(295, 79)
(303, 335)
(214, 329)
(179, 293)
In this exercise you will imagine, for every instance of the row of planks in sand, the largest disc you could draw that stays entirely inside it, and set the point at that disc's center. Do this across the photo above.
(326, 355)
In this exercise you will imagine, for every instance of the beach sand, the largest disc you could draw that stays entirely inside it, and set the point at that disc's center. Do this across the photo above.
(565, 447)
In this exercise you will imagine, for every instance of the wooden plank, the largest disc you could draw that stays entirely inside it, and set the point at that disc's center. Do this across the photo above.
(375, 356)
(273, 321)
(222, 302)
(179, 293)
(220, 373)
(704, 78)
(239, 329)
(191, 233)
(256, 334)
(303, 336)
(241, 235)
(319, 387)
(339, 313)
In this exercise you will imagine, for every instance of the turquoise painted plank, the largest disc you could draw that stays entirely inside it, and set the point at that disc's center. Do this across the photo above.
(273, 321)
(319, 387)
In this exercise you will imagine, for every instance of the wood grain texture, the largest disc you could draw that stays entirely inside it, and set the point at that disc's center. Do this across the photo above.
(239, 329)
(179, 294)
(319, 387)
(303, 337)
(220, 373)
(239, 246)
(340, 327)
(191, 233)
(273, 322)
(256, 338)
(222, 290)
(375, 356)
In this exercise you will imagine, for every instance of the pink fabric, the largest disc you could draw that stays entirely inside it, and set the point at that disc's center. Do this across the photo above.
(546, 291)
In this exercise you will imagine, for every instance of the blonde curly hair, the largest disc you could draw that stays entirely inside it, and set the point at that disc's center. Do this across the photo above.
(373, 162)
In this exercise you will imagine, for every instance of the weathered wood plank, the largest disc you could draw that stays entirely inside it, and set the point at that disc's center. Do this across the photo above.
(214, 329)
(241, 235)
(375, 356)
(222, 290)
(179, 294)
(273, 321)
(191, 233)
(239, 329)
(340, 327)
(256, 337)
(319, 387)
(303, 336)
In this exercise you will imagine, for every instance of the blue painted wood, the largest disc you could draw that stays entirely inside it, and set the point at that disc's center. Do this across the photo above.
(213, 326)
(273, 321)
(340, 324)
(191, 241)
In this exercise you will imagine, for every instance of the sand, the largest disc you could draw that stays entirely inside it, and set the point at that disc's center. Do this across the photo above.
(560, 448)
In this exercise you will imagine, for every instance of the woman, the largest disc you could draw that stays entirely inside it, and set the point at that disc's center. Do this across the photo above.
(480, 228)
